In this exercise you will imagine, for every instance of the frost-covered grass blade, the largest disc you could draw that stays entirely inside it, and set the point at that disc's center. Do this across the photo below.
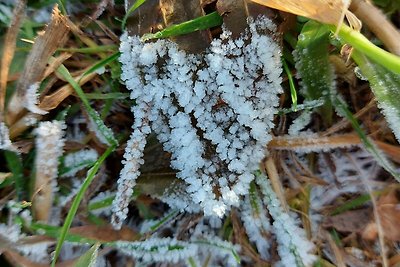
(104, 134)
(368, 143)
(386, 87)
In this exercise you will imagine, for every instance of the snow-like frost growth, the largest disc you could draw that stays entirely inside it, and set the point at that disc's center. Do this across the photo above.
(31, 100)
(49, 147)
(213, 112)
(294, 248)
(5, 142)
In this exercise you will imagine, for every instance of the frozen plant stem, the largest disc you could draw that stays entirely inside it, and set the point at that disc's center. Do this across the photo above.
(294, 247)
(49, 147)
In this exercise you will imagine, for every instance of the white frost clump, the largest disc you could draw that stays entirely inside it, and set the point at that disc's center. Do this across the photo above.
(78, 160)
(5, 142)
(158, 250)
(31, 100)
(294, 248)
(256, 223)
(49, 147)
(212, 112)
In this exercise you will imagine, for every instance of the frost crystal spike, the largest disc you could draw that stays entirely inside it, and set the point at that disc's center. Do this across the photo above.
(213, 112)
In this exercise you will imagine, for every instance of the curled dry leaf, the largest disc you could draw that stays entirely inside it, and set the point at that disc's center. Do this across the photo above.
(388, 207)
(326, 11)
(45, 45)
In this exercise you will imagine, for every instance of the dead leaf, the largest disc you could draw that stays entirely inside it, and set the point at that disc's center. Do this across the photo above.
(326, 11)
(45, 45)
(105, 233)
(9, 48)
(388, 207)
(353, 221)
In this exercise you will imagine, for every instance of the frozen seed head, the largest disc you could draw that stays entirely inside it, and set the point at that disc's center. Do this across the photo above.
(213, 112)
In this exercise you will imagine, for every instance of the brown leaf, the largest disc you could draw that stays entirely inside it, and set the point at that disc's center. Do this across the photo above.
(235, 13)
(388, 208)
(326, 11)
(105, 233)
(353, 221)
(9, 49)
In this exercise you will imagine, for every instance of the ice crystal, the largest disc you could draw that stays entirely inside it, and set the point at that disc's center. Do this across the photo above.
(31, 99)
(158, 250)
(213, 112)
(5, 142)
(49, 147)
(294, 248)
(256, 223)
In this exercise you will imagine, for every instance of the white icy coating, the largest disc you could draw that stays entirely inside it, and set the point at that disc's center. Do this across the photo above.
(212, 112)
(31, 100)
(49, 147)
(256, 223)
(5, 142)
(293, 246)
(158, 250)
(78, 160)
(300, 123)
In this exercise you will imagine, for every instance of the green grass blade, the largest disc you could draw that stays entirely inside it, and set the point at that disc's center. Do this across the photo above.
(163, 220)
(90, 50)
(362, 44)
(15, 164)
(137, 4)
(99, 96)
(201, 23)
(368, 143)
(77, 200)
(54, 232)
(313, 66)
(386, 87)
(105, 133)
(352, 204)
(89, 258)
(101, 64)
(293, 92)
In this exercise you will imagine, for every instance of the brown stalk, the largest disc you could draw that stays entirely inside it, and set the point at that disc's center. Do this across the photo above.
(275, 182)
(45, 45)
(329, 142)
(48, 103)
(9, 50)
(378, 24)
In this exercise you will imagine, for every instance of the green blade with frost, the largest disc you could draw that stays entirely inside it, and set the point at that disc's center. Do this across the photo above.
(386, 87)
(313, 66)
(369, 145)
(104, 134)
(88, 259)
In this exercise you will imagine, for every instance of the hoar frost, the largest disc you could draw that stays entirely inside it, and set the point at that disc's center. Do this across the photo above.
(213, 112)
